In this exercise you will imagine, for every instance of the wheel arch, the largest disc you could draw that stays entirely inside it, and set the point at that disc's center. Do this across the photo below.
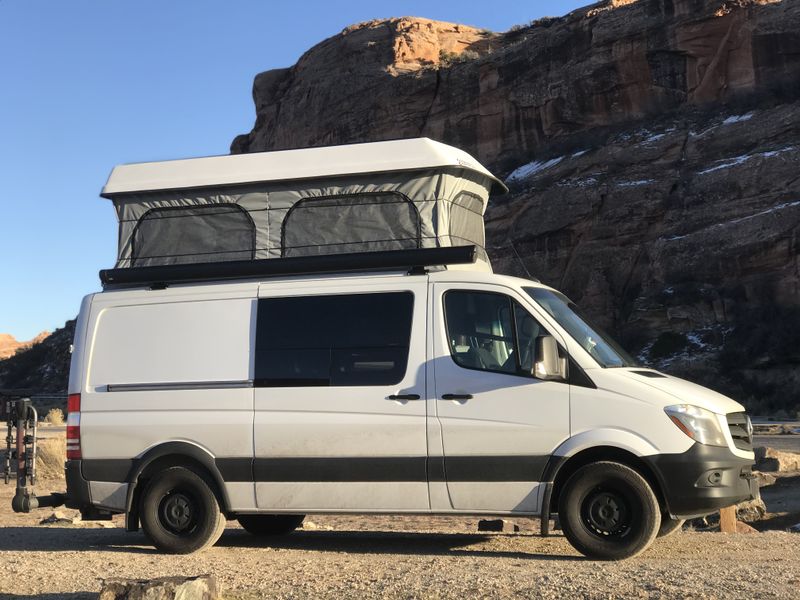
(171, 454)
(559, 470)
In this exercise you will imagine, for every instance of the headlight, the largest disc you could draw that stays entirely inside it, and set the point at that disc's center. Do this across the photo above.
(698, 423)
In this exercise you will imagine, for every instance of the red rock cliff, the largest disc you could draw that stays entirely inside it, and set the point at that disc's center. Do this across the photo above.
(652, 148)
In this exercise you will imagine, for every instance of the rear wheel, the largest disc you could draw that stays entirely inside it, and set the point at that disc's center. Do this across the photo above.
(608, 511)
(669, 526)
(179, 511)
(265, 525)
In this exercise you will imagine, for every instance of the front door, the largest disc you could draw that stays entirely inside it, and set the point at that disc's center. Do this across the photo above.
(340, 397)
(499, 424)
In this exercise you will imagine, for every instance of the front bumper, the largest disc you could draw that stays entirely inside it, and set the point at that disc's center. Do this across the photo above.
(702, 480)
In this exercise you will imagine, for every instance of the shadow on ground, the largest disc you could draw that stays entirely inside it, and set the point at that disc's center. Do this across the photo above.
(50, 539)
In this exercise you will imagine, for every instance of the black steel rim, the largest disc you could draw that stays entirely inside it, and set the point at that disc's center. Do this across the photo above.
(178, 512)
(607, 513)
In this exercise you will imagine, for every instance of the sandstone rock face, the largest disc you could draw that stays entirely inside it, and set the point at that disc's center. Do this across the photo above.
(10, 346)
(41, 367)
(651, 147)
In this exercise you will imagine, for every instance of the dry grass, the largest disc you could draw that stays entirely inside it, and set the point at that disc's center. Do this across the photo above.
(51, 455)
(55, 416)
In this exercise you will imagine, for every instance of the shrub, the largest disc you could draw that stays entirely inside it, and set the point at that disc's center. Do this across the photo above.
(55, 416)
(51, 453)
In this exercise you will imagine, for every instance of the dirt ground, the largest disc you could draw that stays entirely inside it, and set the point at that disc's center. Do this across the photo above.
(404, 557)
(394, 557)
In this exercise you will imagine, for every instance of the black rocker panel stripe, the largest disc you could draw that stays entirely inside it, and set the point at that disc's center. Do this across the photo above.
(349, 469)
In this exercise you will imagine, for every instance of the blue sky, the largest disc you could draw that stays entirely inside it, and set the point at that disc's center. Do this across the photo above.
(85, 85)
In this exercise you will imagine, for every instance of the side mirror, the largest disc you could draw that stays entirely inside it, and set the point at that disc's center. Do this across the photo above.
(549, 367)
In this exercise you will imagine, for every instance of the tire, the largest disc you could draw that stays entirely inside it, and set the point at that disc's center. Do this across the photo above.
(179, 511)
(267, 525)
(608, 511)
(669, 526)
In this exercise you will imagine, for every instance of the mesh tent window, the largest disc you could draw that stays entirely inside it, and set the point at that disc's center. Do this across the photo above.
(193, 234)
(363, 222)
(466, 221)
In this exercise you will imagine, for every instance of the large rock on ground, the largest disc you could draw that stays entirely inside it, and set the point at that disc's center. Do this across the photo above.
(203, 587)
(775, 461)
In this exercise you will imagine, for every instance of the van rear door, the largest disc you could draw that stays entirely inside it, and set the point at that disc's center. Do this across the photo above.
(340, 396)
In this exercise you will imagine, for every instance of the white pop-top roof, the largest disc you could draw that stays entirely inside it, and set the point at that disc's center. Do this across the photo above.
(284, 165)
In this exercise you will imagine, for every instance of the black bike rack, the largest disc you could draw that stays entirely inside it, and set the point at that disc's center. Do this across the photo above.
(20, 457)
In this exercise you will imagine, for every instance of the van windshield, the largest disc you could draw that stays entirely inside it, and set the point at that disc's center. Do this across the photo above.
(597, 343)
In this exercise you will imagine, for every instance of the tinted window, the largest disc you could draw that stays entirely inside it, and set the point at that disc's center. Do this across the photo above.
(491, 332)
(355, 339)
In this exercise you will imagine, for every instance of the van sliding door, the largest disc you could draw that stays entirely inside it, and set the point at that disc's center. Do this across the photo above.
(340, 397)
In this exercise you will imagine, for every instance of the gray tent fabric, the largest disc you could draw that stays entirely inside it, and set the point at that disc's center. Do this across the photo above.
(441, 206)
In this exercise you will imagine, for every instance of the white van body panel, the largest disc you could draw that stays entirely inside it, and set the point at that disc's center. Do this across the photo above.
(347, 422)
(77, 363)
(509, 417)
(161, 348)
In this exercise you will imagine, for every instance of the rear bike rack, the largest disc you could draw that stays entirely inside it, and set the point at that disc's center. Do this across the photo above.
(20, 457)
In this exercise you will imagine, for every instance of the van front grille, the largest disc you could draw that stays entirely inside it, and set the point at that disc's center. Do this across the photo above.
(741, 431)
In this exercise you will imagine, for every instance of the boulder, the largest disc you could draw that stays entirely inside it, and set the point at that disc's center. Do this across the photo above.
(499, 525)
(202, 587)
(750, 511)
(775, 461)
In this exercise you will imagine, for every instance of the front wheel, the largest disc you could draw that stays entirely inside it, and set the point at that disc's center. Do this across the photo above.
(608, 511)
(179, 511)
(266, 525)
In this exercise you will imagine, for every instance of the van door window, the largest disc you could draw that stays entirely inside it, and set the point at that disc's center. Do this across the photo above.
(491, 332)
(342, 340)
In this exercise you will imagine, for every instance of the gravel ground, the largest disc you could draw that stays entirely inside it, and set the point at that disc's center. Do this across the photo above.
(408, 557)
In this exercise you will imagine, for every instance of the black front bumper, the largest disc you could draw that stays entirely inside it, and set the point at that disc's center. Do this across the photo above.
(702, 480)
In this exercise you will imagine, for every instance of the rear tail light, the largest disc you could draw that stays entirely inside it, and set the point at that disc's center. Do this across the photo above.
(74, 427)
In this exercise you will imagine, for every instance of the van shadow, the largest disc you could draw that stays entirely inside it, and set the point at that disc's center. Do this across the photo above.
(54, 539)
(384, 542)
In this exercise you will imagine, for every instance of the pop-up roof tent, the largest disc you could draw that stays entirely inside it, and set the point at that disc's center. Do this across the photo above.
(392, 195)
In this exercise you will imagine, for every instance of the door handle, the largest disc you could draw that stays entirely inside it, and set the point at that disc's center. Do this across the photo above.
(456, 396)
(404, 397)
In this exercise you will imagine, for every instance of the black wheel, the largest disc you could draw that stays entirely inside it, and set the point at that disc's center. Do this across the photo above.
(264, 525)
(608, 511)
(669, 526)
(179, 511)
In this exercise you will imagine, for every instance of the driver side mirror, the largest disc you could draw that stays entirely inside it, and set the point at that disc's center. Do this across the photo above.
(549, 367)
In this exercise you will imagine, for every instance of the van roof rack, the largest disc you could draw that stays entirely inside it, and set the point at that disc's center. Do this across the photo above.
(414, 260)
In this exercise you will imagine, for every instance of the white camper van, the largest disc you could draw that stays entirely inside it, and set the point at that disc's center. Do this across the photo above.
(319, 331)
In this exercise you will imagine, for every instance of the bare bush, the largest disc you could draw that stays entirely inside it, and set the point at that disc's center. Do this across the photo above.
(55, 416)
(50, 458)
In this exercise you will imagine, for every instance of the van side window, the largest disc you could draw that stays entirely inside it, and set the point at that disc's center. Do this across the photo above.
(353, 339)
(491, 332)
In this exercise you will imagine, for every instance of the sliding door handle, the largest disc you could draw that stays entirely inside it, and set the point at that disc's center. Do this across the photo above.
(404, 397)
(457, 397)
